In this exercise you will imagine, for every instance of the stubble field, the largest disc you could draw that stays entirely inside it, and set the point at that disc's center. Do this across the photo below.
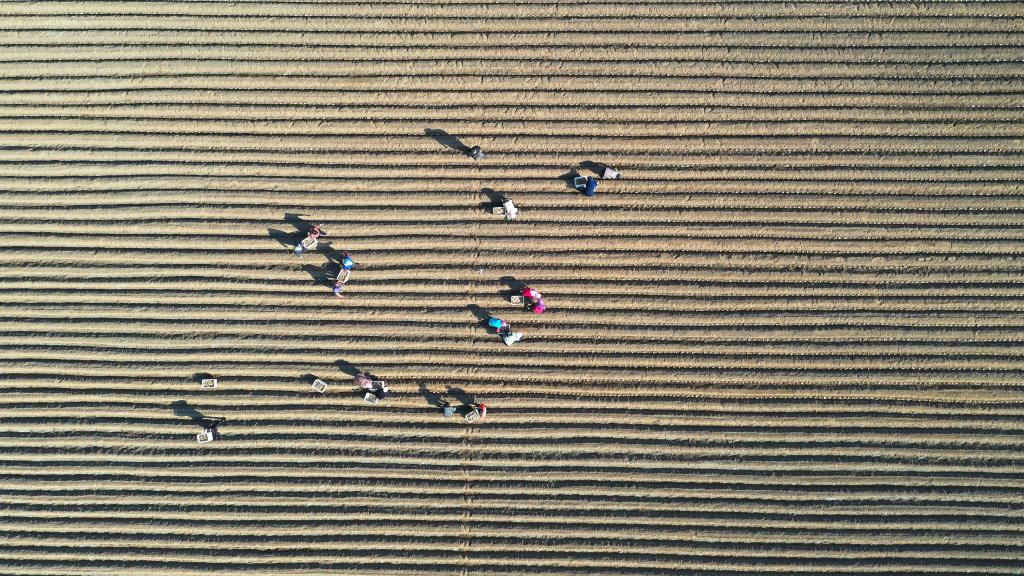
(788, 341)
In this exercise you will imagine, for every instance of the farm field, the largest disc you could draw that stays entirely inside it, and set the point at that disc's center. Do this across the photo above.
(786, 342)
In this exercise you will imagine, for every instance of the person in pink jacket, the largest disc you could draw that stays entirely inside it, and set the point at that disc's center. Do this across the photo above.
(533, 300)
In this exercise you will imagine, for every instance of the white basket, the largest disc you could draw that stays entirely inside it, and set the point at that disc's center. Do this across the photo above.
(204, 437)
(371, 398)
(320, 386)
(208, 384)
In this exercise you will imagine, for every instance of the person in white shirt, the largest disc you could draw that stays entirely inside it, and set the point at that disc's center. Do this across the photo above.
(511, 212)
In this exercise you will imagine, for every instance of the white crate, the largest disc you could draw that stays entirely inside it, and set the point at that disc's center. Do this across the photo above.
(320, 386)
(208, 384)
(371, 398)
(205, 436)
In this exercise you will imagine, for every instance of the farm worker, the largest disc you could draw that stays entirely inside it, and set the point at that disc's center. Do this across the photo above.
(531, 294)
(346, 269)
(475, 153)
(475, 412)
(363, 381)
(310, 242)
(533, 300)
(210, 426)
(379, 388)
(511, 212)
(539, 307)
(499, 325)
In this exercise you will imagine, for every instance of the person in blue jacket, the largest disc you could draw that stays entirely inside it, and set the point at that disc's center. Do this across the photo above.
(500, 326)
(343, 274)
(504, 330)
(588, 186)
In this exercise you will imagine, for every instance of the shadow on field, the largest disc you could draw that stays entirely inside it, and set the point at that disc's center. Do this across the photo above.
(461, 395)
(432, 398)
(302, 226)
(290, 239)
(347, 368)
(596, 167)
(321, 275)
(334, 256)
(481, 314)
(494, 199)
(447, 140)
(182, 408)
(568, 178)
(283, 238)
(198, 377)
(513, 286)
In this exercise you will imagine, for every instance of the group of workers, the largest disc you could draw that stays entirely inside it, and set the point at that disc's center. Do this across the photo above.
(531, 298)
(311, 241)
(376, 390)
(532, 301)
(371, 385)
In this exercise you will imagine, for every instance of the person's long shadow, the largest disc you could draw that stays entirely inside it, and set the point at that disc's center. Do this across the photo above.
(595, 167)
(182, 408)
(481, 314)
(494, 199)
(333, 255)
(461, 395)
(290, 239)
(513, 287)
(286, 239)
(302, 226)
(321, 275)
(568, 178)
(447, 140)
(347, 368)
(432, 398)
